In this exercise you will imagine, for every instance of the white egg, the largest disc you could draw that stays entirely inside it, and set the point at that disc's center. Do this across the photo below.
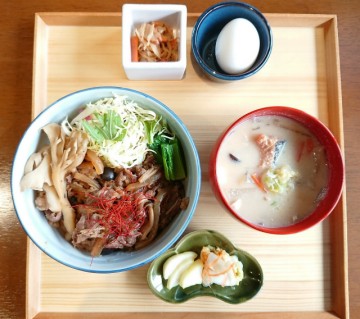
(237, 46)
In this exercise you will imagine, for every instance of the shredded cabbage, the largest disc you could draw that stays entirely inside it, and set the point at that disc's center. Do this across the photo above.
(279, 180)
(119, 129)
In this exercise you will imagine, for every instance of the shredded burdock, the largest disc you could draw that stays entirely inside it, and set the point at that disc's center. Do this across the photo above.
(154, 42)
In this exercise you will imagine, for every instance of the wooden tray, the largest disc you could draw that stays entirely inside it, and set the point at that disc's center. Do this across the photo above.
(305, 273)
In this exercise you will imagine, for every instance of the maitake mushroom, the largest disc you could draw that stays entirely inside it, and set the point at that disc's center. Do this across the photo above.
(46, 170)
(37, 171)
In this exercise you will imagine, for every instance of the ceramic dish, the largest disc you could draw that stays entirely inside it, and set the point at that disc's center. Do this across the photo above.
(194, 241)
(47, 238)
(207, 29)
(133, 15)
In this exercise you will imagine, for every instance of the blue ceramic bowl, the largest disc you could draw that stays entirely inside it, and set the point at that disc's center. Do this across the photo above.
(47, 238)
(208, 27)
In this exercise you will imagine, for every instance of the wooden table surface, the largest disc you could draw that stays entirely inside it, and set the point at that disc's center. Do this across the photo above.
(16, 52)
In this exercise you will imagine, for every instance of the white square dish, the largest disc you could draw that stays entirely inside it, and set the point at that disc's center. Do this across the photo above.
(134, 15)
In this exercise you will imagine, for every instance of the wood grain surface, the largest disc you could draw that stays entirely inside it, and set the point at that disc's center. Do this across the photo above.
(74, 60)
(16, 51)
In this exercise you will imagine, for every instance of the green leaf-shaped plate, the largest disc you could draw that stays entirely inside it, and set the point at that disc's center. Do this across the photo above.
(247, 289)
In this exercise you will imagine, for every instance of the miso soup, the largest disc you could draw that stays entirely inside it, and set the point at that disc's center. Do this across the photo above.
(272, 171)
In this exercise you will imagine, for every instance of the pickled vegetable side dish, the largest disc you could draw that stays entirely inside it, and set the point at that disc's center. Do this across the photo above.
(213, 266)
(154, 42)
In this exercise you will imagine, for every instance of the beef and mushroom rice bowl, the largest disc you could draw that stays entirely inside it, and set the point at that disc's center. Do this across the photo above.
(109, 178)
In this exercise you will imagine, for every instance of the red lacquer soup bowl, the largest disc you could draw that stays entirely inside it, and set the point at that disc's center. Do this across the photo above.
(278, 170)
